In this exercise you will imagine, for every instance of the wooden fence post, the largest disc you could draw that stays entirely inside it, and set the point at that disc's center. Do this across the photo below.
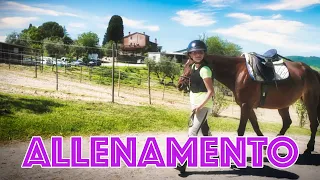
(57, 73)
(113, 72)
(164, 88)
(149, 83)
(119, 82)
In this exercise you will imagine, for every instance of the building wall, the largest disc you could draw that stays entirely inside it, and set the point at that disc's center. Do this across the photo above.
(154, 56)
(135, 40)
(10, 53)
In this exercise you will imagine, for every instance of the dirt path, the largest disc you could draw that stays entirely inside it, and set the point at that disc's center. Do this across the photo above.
(12, 156)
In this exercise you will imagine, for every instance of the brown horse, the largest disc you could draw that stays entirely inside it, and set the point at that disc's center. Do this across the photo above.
(303, 82)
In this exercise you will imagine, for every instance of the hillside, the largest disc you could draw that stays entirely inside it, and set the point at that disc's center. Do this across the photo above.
(311, 61)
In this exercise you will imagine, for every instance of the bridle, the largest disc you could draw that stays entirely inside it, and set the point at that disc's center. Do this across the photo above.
(187, 88)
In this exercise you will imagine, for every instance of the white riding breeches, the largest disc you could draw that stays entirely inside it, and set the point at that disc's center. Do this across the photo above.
(198, 123)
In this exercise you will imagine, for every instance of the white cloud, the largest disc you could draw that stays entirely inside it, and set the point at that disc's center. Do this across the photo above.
(276, 26)
(76, 25)
(218, 3)
(277, 33)
(10, 5)
(290, 4)
(139, 24)
(193, 18)
(243, 16)
(15, 22)
(2, 38)
(276, 16)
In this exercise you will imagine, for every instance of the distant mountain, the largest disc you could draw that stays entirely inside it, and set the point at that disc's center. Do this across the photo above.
(311, 61)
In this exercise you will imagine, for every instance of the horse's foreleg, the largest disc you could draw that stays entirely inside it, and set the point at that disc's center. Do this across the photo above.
(286, 120)
(254, 123)
(245, 112)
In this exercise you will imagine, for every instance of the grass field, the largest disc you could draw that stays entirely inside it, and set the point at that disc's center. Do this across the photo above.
(22, 117)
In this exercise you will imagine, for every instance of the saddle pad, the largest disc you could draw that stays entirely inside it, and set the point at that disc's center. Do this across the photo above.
(281, 71)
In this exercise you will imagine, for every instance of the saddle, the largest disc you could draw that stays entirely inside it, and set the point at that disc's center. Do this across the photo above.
(268, 68)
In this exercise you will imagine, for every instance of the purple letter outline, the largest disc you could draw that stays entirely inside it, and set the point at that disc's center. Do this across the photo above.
(98, 151)
(257, 149)
(229, 151)
(36, 154)
(151, 155)
(57, 153)
(127, 153)
(189, 151)
(76, 153)
(208, 151)
(289, 159)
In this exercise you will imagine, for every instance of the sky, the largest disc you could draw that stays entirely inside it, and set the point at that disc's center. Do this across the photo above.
(290, 26)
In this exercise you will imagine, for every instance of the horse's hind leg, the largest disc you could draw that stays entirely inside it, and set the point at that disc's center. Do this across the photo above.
(312, 104)
(286, 120)
(254, 123)
(245, 113)
(319, 111)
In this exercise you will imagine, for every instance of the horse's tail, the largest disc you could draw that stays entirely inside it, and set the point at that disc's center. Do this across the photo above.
(317, 74)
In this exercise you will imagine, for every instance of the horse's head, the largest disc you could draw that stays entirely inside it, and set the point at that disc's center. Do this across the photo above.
(184, 80)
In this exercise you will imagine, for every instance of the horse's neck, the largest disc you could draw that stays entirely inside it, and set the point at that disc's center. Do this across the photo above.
(225, 69)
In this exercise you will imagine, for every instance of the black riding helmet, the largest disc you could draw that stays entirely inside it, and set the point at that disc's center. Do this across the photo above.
(196, 45)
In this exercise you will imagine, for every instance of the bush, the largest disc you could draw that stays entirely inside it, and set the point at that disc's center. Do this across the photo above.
(219, 101)
(302, 112)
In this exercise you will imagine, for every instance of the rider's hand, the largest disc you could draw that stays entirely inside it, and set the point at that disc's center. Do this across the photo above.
(189, 61)
(197, 109)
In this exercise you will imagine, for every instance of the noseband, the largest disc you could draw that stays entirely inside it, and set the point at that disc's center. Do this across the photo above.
(185, 77)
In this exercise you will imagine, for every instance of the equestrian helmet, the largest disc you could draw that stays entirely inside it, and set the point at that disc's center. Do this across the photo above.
(196, 45)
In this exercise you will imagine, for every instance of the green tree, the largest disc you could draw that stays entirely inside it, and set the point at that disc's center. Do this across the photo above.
(15, 38)
(77, 49)
(35, 37)
(90, 40)
(65, 32)
(54, 46)
(114, 31)
(51, 29)
(107, 49)
(166, 67)
(220, 47)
